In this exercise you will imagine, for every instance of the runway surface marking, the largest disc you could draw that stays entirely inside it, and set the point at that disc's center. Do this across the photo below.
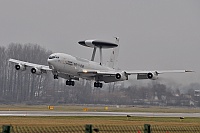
(61, 113)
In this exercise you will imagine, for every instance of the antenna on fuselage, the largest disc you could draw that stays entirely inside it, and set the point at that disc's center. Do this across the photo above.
(97, 44)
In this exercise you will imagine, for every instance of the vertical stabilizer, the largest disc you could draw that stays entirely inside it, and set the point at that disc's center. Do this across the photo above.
(113, 62)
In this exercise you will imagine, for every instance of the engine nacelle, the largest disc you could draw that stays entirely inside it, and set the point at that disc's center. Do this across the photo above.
(36, 71)
(152, 75)
(20, 67)
(121, 76)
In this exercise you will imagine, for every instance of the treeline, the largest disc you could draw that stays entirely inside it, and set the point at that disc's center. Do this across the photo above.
(19, 86)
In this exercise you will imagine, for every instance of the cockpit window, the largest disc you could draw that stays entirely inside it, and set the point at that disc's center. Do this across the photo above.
(52, 57)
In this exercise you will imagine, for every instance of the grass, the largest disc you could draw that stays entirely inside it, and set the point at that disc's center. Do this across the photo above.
(100, 108)
(105, 124)
(117, 120)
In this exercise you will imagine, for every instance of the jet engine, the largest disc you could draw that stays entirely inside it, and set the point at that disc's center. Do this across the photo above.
(20, 67)
(152, 75)
(121, 76)
(36, 71)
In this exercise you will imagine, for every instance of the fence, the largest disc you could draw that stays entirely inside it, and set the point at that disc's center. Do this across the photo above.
(100, 128)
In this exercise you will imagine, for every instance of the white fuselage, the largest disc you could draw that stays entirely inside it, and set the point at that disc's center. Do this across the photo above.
(71, 65)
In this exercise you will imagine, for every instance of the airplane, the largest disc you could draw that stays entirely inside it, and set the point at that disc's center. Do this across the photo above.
(73, 68)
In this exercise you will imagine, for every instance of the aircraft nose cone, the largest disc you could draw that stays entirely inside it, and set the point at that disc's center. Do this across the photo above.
(49, 61)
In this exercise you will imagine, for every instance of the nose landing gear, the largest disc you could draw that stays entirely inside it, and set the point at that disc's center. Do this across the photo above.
(55, 76)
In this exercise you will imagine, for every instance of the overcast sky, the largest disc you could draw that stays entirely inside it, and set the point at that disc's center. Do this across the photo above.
(154, 34)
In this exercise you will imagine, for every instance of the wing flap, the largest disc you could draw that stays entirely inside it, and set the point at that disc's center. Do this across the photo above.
(92, 73)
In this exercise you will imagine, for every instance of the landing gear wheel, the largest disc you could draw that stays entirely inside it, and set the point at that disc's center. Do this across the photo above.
(98, 84)
(55, 76)
(70, 83)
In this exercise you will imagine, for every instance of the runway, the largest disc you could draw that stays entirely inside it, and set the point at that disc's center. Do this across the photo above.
(61, 113)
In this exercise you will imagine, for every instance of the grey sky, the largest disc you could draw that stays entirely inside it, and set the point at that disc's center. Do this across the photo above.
(154, 34)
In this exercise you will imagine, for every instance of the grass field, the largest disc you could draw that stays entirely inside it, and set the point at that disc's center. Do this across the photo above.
(104, 124)
(101, 108)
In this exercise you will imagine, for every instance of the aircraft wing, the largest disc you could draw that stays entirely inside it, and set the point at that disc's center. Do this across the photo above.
(22, 65)
(100, 72)
(119, 75)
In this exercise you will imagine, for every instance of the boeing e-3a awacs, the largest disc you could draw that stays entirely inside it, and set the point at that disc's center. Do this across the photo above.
(73, 68)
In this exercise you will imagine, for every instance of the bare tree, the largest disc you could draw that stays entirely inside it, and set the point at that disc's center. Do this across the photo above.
(20, 86)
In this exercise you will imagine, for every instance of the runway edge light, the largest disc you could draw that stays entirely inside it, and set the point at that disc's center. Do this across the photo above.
(50, 107)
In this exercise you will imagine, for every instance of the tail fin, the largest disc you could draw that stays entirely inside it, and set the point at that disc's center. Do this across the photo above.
(113, 62)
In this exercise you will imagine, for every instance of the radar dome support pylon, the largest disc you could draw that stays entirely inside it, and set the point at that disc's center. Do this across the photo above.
(97, 44)
(93, 53)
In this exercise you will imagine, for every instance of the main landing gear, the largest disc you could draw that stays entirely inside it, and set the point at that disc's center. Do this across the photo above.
(70, 83)
(98, 84)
